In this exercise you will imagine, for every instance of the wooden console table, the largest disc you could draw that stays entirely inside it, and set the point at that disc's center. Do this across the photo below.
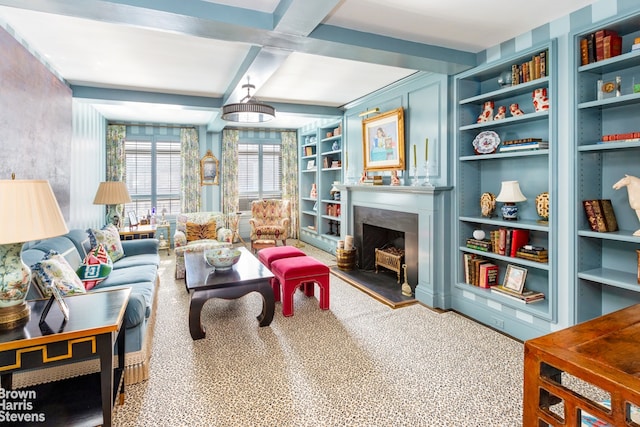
(602, 352)
(94, 329)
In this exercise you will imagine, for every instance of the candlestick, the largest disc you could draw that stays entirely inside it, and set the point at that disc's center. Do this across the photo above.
(426, 150)
(415, 157)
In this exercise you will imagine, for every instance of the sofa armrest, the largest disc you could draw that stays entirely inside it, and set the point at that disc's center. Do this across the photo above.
(179, 238)
(140, 247)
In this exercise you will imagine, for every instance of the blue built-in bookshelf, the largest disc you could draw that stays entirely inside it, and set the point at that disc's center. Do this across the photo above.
(606, 262)
(321, 164)
(483, 171)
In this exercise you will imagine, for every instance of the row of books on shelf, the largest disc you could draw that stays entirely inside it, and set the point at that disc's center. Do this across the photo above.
(533, 69)
(510, 242)
(481, 272)
(600, 45)
(524, 144)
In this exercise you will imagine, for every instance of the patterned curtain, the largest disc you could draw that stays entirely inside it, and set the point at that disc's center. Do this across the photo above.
(116, 157)
(290, 177)
(230, 138)
(190, 188)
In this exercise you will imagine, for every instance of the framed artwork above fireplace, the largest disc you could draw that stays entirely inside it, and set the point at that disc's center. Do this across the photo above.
(383, 141)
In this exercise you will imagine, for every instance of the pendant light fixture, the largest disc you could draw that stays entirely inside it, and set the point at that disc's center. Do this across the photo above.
(248, 110)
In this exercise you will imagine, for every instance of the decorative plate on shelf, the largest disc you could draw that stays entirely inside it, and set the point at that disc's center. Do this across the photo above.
(486, 142)
(487, 204)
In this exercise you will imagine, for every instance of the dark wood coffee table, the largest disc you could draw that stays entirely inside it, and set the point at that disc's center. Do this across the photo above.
(204, 283)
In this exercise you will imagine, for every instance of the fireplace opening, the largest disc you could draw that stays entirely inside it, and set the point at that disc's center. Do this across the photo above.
(396, 234)
(381, 238)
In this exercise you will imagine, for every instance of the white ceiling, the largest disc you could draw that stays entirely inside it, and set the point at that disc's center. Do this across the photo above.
(193, 56)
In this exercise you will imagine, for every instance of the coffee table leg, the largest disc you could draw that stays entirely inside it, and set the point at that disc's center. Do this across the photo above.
(195, 308)
(268, 304)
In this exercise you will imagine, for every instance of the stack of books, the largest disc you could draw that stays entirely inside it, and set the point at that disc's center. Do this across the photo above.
(524, 144)
(480, 245)
(374, 180)
(525, 297)
(533, 253)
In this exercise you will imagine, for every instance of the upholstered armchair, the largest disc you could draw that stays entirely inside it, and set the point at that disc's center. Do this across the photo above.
(196, 232)
(270, 220)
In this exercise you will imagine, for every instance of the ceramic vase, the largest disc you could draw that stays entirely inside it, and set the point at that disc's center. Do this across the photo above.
(314, 191)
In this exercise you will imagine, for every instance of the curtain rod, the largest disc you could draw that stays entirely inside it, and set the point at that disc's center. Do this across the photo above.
(152, 125)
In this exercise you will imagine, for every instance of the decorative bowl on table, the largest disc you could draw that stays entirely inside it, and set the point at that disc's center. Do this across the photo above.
(222, 258)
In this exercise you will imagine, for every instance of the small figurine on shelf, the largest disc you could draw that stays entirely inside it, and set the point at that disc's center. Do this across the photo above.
(363, 178)
(633, 193)
(502, 113)
(394, 178)
(314, 191)
(487, 112)
(540, 100)
(515, 110)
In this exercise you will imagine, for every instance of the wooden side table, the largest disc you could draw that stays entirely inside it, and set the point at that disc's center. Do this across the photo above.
(89, 333)
(139, 232)
(602, 352)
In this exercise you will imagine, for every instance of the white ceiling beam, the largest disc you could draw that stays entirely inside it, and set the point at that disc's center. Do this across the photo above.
(204, 19)
(300, 17)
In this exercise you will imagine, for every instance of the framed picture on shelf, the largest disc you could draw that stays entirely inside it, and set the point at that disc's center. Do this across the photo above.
(383, 141)
(311, 164)
(133, 219)
(514, 278)
(209, 169)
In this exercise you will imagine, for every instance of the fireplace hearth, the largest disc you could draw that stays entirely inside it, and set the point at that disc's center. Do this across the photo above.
(376, 229)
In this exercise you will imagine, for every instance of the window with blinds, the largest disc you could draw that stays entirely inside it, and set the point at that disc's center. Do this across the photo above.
(153, 176)
(259, 173)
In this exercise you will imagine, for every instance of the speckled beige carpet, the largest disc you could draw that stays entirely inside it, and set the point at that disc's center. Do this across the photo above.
(359, 364)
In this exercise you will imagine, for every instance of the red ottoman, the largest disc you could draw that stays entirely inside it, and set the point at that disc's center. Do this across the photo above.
(268, 255)
(291, 273)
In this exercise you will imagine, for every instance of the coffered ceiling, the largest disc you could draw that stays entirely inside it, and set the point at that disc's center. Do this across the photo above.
(180, 61)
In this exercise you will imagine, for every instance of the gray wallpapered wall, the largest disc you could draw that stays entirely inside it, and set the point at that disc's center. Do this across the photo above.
(35, 120)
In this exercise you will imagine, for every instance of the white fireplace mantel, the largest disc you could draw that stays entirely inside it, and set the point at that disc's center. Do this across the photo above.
(433, 206)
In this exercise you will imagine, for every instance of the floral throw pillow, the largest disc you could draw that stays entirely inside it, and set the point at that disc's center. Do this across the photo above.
(54, 270)
(95, 267)
(110, 238)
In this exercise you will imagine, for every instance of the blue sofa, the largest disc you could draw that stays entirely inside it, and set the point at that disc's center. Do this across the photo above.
(138, 269)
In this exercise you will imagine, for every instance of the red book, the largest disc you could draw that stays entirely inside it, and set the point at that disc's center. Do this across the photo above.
(612, 46)
(502, 241)
(488, 275)
(519, 238)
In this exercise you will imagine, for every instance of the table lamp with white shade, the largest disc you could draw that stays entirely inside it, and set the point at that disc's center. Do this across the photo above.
(510, 194)
(30, 212)
(113, 194)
